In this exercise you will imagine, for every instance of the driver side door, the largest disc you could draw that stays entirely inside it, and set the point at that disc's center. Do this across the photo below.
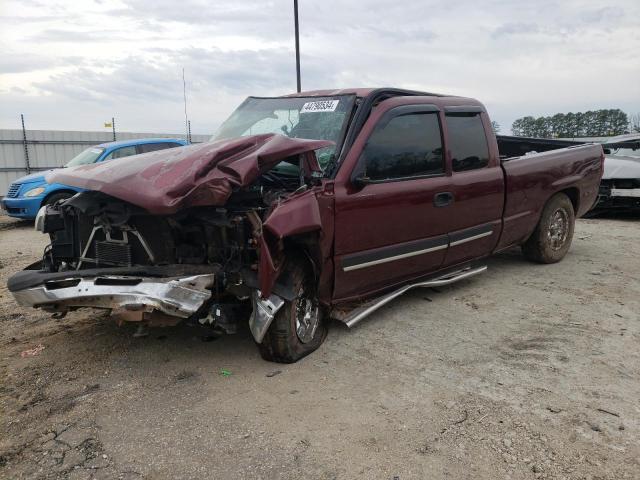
(392, 226)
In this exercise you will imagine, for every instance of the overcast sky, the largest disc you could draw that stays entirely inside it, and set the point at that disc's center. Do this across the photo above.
(75, 64)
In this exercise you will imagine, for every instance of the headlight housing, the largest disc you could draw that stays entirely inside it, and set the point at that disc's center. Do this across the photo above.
(34, 192)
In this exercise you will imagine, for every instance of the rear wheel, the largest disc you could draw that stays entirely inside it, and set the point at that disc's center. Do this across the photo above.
(551, 239)
(299, 327)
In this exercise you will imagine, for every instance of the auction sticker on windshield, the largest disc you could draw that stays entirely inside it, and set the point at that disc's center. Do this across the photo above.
(320, 106)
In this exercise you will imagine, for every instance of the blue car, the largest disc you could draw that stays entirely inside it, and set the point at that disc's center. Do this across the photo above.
(27, 194)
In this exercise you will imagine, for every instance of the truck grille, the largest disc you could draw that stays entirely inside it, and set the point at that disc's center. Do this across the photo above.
(112, 253)
(13, 190)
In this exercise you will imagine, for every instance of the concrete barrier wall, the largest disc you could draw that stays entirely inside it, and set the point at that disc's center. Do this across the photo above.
(53, 148)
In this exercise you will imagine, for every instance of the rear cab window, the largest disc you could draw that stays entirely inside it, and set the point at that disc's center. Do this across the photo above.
(467, 141)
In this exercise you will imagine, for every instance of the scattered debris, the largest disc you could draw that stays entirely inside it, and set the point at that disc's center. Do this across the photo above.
(608, 411)
(32, 352)
(225, 373)
(141, 332)
(184, 375)
(554, 409)
(274, 373)
(427, 299)
(465, 416)
(595, 427)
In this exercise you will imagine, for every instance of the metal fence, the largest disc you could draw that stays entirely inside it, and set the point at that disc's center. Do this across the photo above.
(47, 149)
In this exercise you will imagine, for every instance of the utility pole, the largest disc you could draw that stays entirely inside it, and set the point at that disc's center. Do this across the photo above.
(295, 14)
(187, 125)
(113, 126)
(26, 148)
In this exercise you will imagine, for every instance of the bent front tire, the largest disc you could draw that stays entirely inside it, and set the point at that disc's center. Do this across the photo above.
(299, 327)
(551, 239)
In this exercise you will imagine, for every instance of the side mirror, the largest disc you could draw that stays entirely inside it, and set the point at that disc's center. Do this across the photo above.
(361, 180)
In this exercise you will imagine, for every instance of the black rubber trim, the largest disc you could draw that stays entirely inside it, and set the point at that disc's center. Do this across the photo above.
(392, 251)
(34, 278)
(405, 110)
(464, 109)
(470, 232)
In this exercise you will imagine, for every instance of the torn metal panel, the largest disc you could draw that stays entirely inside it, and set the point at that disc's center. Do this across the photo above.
(264, 310)
(167, 181)
(296, 215)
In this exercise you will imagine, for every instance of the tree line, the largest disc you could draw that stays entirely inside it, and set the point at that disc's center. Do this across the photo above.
(594, 123)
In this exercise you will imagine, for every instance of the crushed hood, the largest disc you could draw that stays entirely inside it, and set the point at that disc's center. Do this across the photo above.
(166, 181)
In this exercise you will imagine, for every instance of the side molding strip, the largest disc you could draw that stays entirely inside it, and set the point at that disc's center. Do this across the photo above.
(469, 239)
(395, 257)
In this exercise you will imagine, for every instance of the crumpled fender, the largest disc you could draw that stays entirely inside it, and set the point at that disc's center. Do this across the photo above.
(296, 215)
(167, 181)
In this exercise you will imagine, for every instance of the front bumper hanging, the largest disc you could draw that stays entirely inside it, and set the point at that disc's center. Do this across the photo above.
(176, 296)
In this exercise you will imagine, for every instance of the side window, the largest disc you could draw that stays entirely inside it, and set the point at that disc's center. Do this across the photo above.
(120, 153)
(467, 141)
(152, 147)
(407, 146)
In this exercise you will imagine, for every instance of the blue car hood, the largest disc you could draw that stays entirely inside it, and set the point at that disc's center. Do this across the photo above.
(34, 177)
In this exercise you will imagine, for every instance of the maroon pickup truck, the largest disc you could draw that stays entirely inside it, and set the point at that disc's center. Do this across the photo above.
(302, 208)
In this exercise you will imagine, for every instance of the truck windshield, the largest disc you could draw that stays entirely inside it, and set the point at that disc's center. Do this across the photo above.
(90, 155)
(317, 118)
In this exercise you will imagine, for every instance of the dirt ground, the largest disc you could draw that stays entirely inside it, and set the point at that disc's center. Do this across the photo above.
(527, 371)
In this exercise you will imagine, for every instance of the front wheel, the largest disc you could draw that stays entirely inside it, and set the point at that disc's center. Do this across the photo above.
(299, 327)
(57, 197)
(551, 239)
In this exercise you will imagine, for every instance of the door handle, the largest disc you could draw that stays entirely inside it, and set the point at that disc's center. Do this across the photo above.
(443, 199)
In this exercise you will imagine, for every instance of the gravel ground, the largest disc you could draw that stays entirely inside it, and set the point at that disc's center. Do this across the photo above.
(528, 371)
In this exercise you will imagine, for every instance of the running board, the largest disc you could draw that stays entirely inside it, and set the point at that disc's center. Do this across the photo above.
(360, 313)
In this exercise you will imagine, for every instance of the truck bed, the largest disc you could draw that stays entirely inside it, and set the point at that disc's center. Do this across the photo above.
(531, 179)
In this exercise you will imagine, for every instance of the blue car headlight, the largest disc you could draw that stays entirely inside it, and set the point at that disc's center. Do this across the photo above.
(34, 192)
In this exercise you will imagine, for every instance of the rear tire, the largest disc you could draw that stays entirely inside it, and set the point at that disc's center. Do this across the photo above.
(299, 327)
(551, 239)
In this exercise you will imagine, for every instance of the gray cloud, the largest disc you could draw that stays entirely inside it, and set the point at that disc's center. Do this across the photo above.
(157, 75)
(21, 63)
(63, 35)
(519, 57)
(515, 28)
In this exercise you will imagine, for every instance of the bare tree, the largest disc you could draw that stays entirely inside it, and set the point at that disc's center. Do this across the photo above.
(634, 123)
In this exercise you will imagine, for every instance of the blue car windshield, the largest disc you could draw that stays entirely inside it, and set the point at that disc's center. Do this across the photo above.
(90, 155)
(317, 118)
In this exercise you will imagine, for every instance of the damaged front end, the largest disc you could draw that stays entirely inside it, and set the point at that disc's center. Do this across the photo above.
(205, 247)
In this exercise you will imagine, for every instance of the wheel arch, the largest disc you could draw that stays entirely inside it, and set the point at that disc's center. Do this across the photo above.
(56, 192)
(574, 195)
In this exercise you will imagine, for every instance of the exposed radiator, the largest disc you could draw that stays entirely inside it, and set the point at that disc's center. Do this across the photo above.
(113, 253)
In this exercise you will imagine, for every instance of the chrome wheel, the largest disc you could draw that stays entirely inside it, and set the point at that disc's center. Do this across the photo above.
(558, 229)
(307, 319)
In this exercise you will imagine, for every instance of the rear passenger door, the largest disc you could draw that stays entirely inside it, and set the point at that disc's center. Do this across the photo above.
(477, 185)
(388, 227)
